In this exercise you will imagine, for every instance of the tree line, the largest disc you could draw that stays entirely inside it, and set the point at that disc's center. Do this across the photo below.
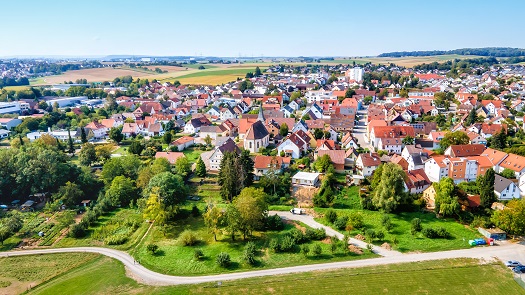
(486, 51)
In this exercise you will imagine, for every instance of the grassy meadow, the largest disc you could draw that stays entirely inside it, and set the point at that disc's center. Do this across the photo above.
(399, 237)
(102, 275)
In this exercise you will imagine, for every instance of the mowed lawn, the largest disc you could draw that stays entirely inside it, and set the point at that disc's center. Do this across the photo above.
(460, 276)
(19, 273)
(348, 202)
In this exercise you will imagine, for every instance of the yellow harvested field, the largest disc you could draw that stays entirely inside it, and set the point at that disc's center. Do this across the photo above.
(92, 75)
(108, 74)
(210, 80)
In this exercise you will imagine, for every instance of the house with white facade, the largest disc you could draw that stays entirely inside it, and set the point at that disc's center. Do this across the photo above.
(306, 178)
(506, 189)
(367, 163)
(217, 155)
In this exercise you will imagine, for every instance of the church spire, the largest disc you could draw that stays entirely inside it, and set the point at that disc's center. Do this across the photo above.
(261, 115)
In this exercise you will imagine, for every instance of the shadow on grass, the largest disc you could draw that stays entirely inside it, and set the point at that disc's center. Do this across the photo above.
(318, 257)
(159, 253)
(233, 265)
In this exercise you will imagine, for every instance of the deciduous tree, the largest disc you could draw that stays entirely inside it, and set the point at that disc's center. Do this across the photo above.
(87, 155)
(389, 194)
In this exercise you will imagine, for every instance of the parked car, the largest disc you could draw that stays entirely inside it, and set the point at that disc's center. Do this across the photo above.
(297, 211)
(519, 269)
(512, 263)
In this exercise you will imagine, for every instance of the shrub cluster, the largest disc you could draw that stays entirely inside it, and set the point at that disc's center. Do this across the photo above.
(188, 238)
(152, 248)
(274, 222)
(198, 254)
(223, 259)
(250, 251)
(331, 216)
(117, 239)
(340, 222)
(439, 232)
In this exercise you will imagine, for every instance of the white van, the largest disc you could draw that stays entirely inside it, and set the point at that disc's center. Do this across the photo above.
(297, 211)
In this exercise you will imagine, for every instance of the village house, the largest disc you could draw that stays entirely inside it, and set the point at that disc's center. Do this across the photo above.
(337, 157)
(416, 181)
(506, 189)
(219, 151)
(465, 150)
(182, 143)
(367, 163)
(170, 156)
(262, 164)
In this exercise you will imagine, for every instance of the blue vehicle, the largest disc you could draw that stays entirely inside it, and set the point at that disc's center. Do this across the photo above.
(519, 269)
(480, 241)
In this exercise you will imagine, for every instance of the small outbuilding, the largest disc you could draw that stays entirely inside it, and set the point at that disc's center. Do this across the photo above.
(493, 233)
(306, 178)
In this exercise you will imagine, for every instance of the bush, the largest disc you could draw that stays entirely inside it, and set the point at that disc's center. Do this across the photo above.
(274, 222)
(287, 244)
(481, 221)
(249, 253)
(297, 236)
(152, 248)
(380, 235)
(439, 232)
(386, 222)
(117, 239)
(77, 231)
(195, 211)
(416, 225)
(188, 238)
(333, 244)
(370, 234)
(315, 234)
(223, 259)
(341, 222)
(198, 254)
(274, 245)
(443, 233)
(356, 220)
(305, 249)
(317, 250)
(429, 233)
(331, 216)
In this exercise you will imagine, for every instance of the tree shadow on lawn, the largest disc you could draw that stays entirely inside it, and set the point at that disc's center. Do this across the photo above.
(318, 257)
(159, 253)
(233, 265)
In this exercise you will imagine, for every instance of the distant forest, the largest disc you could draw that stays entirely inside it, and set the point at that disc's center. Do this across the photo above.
(488, 51)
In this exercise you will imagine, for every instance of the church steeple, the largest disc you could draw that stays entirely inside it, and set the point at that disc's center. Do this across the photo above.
(261, 115)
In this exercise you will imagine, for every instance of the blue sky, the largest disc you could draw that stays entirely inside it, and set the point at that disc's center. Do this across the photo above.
(254, 28)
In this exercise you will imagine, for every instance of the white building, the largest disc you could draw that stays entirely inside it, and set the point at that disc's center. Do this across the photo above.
(305, 178)
(506, 189)
(355, 74)
(9, 107)
(436, 168)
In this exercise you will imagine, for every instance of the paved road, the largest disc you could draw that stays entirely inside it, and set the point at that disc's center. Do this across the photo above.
(309, 220)
(505, 252)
